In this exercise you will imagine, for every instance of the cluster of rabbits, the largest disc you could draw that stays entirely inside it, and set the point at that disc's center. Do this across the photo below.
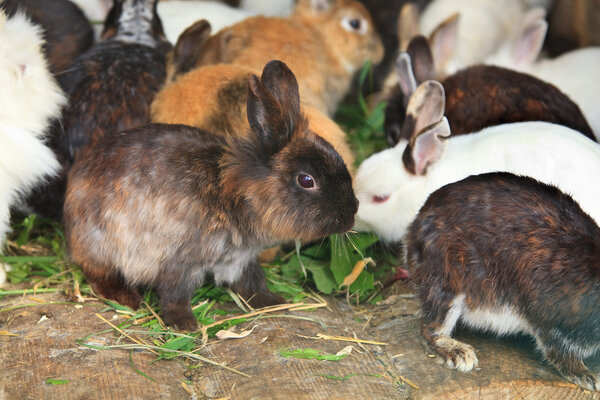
(489, 182)
(175, 147)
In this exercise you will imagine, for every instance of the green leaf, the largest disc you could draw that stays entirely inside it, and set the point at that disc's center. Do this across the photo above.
(323, 277)
(52, 381)
(310, 354)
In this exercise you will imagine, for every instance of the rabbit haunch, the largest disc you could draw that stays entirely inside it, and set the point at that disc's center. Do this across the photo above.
(30, 98)
(493, 251)
(167, 205)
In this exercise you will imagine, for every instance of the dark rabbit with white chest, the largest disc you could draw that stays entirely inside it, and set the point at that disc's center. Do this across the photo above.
(168, 205)
(508, 254)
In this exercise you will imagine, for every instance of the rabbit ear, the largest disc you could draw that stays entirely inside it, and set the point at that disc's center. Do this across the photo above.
(528, 44)
(408, 24)
(422, 59)
(189, 46)
(443, 41)
(273, 105)
(406, 78)
(425, 107)
(426, 148)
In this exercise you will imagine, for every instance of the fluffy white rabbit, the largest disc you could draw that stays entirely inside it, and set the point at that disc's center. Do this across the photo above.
(392, 185)
(29, 99)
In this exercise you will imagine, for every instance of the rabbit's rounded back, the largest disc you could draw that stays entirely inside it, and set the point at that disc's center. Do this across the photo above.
(221, 107)
(482, 96)
(189, 202)
(392, 185)
(494, 250)
(67, 31)
(341, 32)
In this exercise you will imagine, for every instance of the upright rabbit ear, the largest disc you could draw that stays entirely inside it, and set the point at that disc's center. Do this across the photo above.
(273, 106)
(443, 41)
(406, 78)
(425, 107)
(422, 59)
(528, 44)
(189, 46)
(426, 147)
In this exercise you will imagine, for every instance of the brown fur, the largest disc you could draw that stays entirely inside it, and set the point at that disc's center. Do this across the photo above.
(500, 240)
(214, 98)
(168, 205)
(322, 54)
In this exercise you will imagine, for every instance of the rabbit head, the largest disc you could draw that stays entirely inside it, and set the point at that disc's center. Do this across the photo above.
(294, 181)
(386, 182)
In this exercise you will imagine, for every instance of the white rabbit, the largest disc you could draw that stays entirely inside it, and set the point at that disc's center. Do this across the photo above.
(575, 73)
(392, 185)
(480, 29)
(29, 99)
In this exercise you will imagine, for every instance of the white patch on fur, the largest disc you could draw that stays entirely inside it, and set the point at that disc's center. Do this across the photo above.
(135, 23)
(503, 320)
(454, 313)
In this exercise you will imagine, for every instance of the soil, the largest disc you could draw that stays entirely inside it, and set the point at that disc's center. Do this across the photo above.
(42, 342)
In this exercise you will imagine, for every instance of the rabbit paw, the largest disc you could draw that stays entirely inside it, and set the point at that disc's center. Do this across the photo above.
(457, 355)
(587, 381)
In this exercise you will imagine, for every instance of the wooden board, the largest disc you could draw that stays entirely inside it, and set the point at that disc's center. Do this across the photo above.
(45, 346)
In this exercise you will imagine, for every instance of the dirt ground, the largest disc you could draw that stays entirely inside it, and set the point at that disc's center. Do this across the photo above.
(40, 342)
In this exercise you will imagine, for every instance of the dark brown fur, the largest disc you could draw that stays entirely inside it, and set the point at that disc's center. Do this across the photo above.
(67, 32)
(110, 88)
(167, 205)
(499, 239)
(482, 96)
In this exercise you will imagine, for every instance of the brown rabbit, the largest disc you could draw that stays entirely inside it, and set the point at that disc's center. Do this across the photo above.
(508, 254)
(323, 41)
(214, 97)
(169, 205)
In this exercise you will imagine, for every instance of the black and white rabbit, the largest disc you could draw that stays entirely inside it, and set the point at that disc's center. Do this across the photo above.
(167, 205)
(508, 254)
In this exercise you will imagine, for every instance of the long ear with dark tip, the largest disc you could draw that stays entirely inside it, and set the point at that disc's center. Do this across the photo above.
(265, 117)
(406, 78)
(282, 84)
(425, 107)
(426, 148)
(422, 60)
(189, 45)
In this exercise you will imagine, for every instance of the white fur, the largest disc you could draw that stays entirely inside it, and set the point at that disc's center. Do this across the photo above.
(576, 73)
(482, 27)
(177, 15)
(550, 153)
(29, 99)
(269, 8)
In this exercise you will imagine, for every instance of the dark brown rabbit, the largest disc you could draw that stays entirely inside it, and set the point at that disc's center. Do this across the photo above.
(67, 31)
(168, 205)
(110, 88)
(478, 97)
(508, 254)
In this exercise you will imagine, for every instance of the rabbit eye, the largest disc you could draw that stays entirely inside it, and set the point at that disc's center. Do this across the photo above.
(306, 181)
(380, 199)
(355, 25)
